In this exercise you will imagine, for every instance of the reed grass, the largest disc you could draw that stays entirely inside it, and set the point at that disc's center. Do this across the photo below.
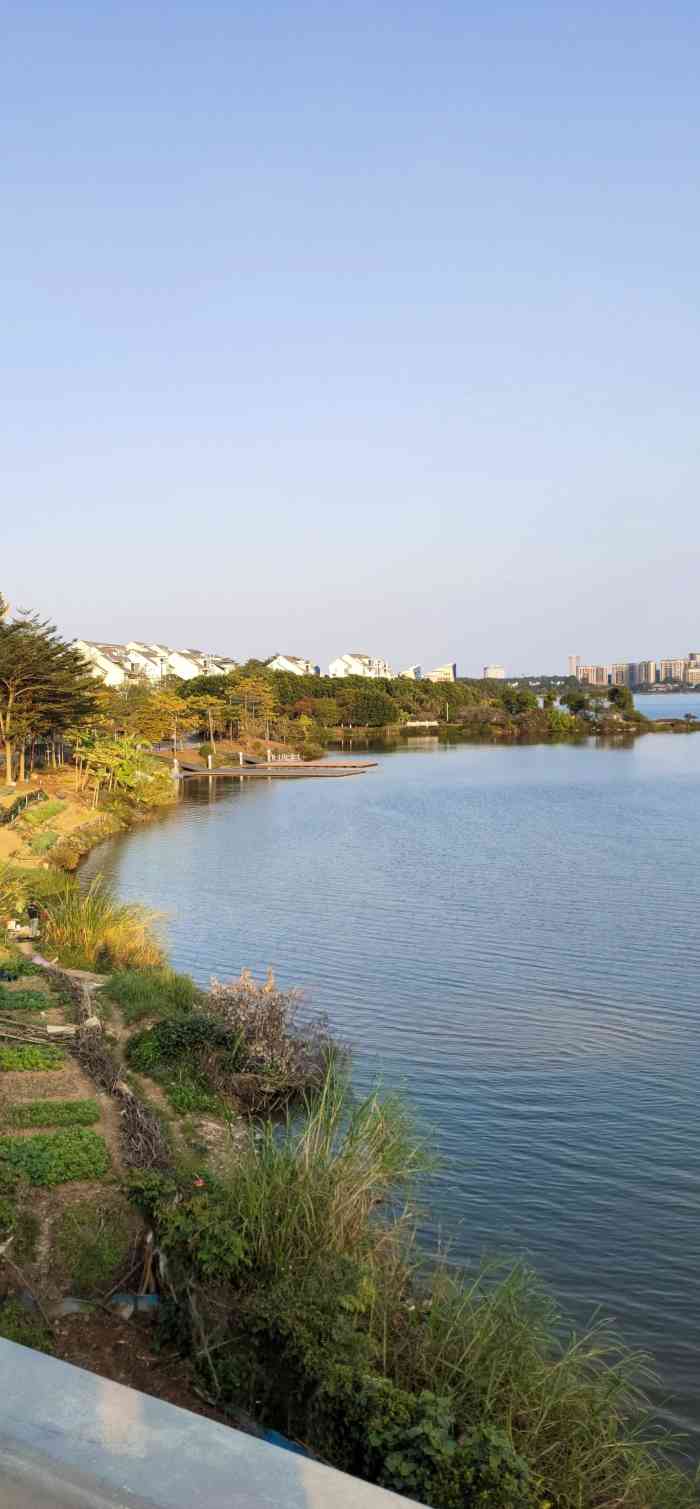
(91, 930)
(330, 1186)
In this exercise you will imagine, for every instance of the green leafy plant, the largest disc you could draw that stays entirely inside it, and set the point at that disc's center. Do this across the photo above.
(14, 965)
(49, 1113)
(30, 1057)
(24, 1000)
(57, 1157)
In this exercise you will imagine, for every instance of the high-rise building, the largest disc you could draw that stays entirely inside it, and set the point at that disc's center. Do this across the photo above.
(672, 670)
(573, 664)
(494, 673)
(594, 675)
(646, 673)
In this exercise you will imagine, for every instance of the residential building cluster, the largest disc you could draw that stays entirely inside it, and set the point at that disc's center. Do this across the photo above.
(685, 670)
(116, 664)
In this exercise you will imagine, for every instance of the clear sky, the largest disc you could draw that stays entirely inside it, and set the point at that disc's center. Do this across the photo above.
(365, 327)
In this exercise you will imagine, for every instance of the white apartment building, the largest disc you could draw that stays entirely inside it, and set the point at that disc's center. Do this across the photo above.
(443, 673)
(572, 665)
(646, 672)
(358, 664)
(494, 673)
(294, 664)
(412, 673)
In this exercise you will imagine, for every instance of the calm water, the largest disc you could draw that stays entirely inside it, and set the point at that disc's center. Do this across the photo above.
(668, 704)
(511, 933)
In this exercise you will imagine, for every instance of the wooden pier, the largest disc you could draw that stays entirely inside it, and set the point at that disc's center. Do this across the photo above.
(275, 770)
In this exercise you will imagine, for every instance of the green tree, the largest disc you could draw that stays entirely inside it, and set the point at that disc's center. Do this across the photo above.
(621, 698)
(45, 686)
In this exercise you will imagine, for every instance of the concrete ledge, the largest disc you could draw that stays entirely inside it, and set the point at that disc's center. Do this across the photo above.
(70, 1440)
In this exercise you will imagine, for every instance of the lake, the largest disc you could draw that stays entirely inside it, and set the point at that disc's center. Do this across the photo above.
(510, 933)
(668, 704)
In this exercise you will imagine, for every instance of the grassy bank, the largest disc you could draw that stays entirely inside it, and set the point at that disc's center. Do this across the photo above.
(296, 1291)
(300, 1290)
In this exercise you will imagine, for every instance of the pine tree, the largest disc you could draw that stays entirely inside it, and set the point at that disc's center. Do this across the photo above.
(45, 685)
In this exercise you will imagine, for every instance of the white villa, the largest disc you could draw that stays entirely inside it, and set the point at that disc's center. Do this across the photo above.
(294, 664)
(359, 664)
(114, 664)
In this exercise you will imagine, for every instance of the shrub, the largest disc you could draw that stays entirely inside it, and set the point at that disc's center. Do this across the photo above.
(24, 1327)
(151, 993)
(13, 891)
(310, 750)
(24, 1000)
(29, 1056)
(94, 1241)
(90, 930)
(50, 1113)
(292, 1055)
(57, 1157)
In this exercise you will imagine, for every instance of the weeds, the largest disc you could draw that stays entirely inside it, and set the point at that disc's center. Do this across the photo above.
(151, 993)
(24, 1327)
(94, 1240)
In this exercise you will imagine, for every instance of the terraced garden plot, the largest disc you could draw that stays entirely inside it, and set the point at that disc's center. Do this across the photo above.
(50, 1113)
(50, 1158)
(30, 1058)
(23, 1000)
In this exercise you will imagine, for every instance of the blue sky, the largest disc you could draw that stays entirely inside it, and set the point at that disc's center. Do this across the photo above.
(375, 330)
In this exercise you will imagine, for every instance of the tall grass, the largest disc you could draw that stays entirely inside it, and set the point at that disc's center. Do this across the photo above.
(315, 1203)
(313, 1182)
(91, 930)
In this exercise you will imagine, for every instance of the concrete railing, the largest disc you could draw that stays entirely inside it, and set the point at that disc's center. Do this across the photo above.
(71, 1440)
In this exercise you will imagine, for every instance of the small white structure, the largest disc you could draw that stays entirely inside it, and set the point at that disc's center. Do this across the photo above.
(443, 673)
(294, 664)
(494, 673)
(359, 664)
(412, 673)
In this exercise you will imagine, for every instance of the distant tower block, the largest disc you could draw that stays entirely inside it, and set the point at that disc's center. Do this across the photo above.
(573, 664)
